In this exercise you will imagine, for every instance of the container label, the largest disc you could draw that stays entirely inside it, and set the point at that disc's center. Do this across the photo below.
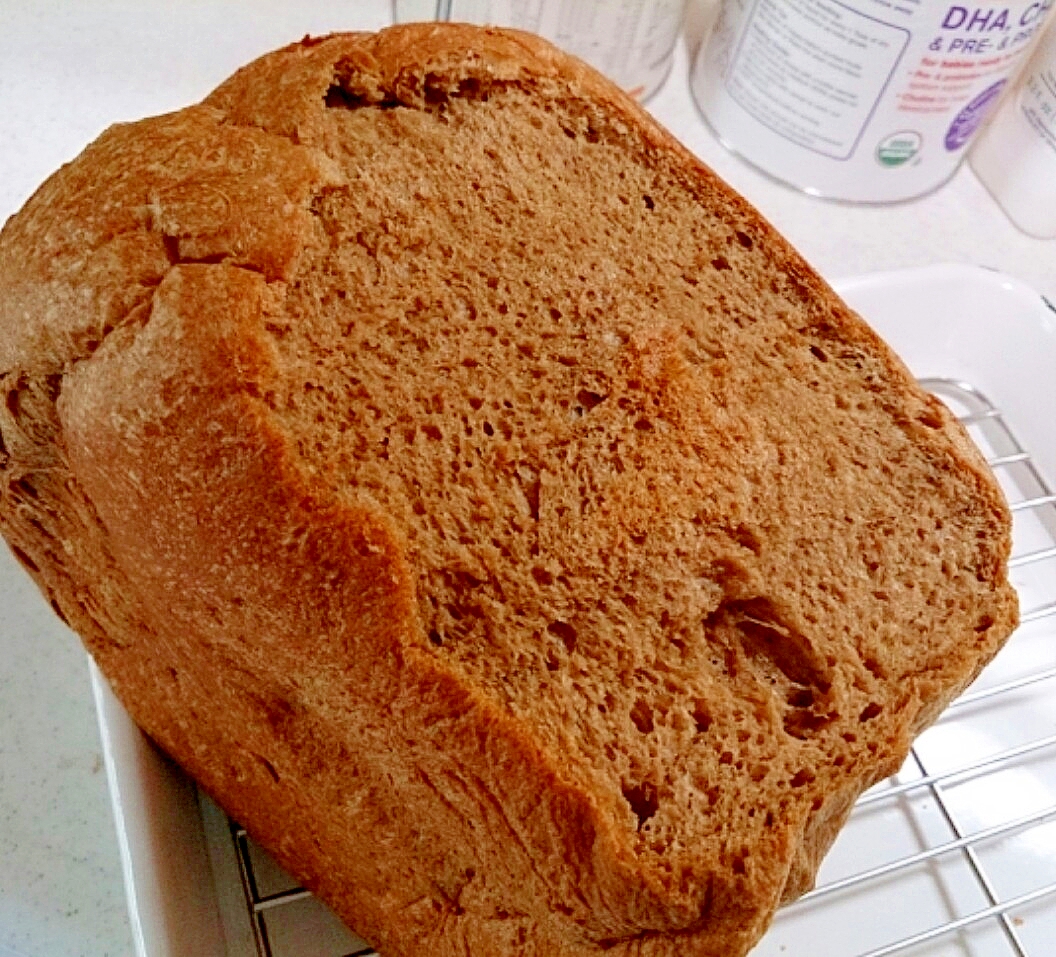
(814, 71)
(966, 63)
(1038, 103)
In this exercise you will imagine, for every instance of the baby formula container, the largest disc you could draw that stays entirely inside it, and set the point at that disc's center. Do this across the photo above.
(863, 100)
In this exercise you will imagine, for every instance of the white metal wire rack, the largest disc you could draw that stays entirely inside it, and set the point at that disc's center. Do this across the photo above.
(964, 838)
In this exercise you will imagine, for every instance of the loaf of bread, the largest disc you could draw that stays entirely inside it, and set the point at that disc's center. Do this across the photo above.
(480, 500)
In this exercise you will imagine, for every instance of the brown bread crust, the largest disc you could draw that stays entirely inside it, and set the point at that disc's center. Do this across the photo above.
(261, 625)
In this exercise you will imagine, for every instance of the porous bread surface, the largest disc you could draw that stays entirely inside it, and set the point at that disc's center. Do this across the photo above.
(530, 549)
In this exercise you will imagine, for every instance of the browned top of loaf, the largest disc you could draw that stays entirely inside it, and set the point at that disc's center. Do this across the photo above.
(652, 496)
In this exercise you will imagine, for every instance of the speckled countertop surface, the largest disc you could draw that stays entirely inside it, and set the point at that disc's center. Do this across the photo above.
(68, 70)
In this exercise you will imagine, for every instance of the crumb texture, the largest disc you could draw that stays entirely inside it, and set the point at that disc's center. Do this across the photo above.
(538, 557)
(621, 444)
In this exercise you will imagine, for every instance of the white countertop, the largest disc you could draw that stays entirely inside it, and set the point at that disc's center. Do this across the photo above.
(68, 70)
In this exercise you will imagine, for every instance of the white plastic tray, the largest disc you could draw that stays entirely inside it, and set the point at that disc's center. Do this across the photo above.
(946, 862)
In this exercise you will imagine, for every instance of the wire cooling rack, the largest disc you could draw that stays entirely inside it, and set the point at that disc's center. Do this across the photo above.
(955, 855)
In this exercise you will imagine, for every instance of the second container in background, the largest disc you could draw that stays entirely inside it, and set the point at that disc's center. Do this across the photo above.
(630, 41)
